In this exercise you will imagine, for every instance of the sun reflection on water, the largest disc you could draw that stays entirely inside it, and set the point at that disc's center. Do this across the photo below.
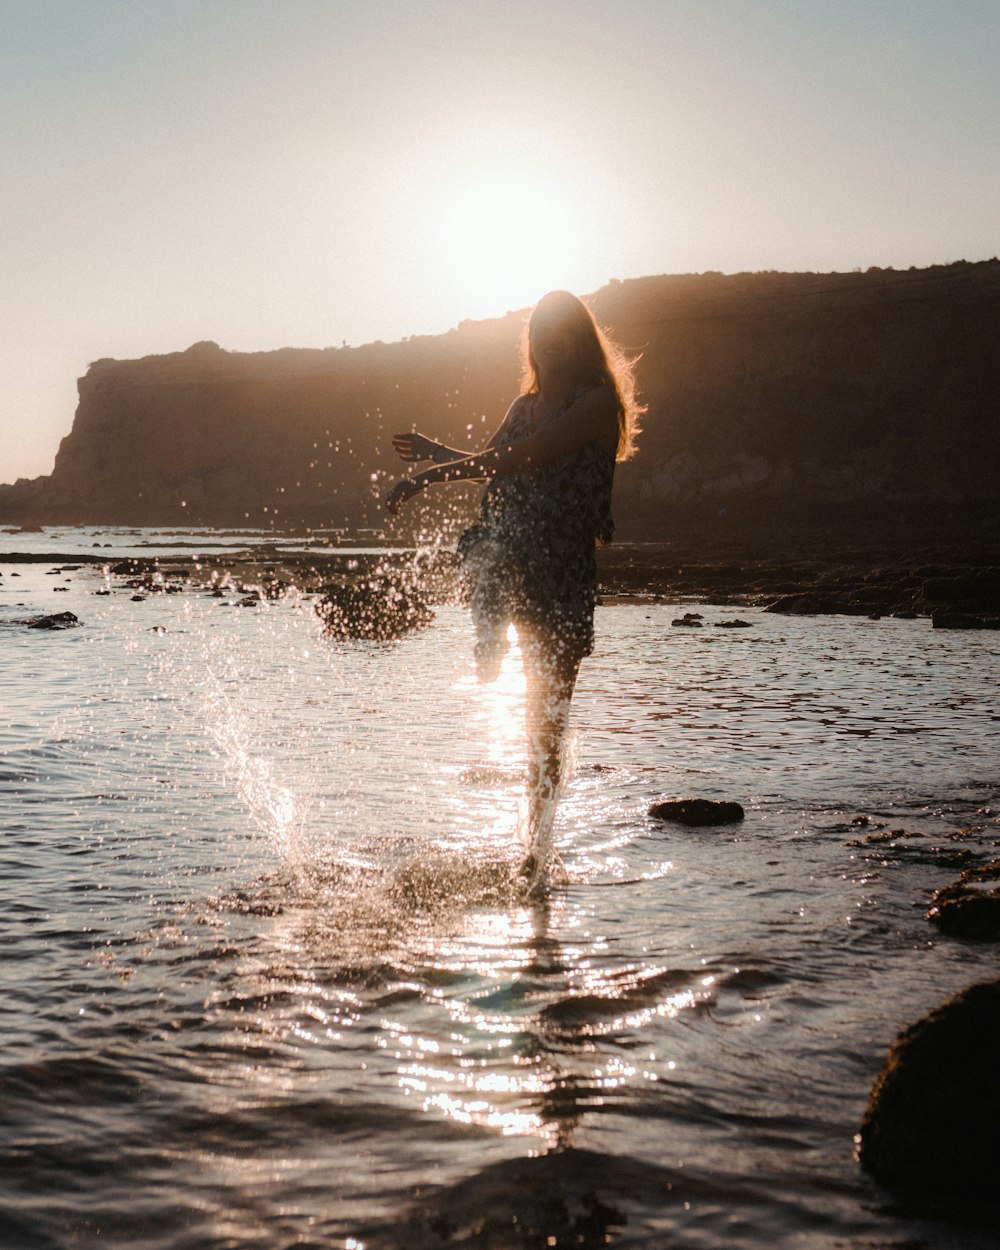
(497, 707)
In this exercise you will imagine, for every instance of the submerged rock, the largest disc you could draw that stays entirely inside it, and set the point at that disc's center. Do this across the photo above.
(58, 620)
(378, 608)
(931, 1132)
(698, 811)
(970, 907)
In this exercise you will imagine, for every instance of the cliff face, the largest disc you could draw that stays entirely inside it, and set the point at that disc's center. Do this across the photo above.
(769, 394)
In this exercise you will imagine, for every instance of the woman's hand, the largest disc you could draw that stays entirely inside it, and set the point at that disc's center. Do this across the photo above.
(414, 446)
(400, 493)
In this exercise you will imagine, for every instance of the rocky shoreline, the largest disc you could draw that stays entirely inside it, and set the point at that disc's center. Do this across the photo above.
(943, 581)
(956, 585)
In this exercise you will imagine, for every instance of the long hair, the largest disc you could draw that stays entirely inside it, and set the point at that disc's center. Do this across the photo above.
(601, 360)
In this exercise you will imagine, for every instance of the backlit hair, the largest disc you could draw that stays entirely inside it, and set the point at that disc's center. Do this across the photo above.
(601, 360)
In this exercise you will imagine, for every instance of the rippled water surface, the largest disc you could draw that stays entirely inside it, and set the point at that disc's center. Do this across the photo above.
(267, 982)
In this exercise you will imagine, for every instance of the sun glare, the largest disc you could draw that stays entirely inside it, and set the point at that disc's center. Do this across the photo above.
(504, 241)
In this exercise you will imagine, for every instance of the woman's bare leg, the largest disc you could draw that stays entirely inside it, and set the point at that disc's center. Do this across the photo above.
(550, 669)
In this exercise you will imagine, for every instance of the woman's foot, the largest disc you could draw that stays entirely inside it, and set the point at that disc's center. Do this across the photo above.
(538, 874)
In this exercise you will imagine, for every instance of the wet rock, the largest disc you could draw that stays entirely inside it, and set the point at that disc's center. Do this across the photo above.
(882, 835)
(697, 812)
(931, 1131)
(58, 620)
(690, 620)
(734, 624)
(948, 619)
(974, 587)
(970, 907)
(274, 588)
(817, 603)
(379, 608)
(969, 831)
(904, 846)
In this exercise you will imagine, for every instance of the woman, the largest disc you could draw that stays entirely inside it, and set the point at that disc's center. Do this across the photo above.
(531, 558)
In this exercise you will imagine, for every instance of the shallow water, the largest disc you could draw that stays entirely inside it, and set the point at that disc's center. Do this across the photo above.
(267, 983)
(120, 542)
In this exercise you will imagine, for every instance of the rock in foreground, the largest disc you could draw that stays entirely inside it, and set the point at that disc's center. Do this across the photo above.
(931, 1133)
(970, 907)
(698, 811)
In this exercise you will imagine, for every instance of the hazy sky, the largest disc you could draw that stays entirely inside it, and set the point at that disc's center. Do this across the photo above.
(270, 173)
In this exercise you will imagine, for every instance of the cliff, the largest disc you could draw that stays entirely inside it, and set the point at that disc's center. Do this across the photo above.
(866, 399)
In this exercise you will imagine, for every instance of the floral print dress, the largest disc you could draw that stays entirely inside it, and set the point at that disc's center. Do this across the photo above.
(531, 559)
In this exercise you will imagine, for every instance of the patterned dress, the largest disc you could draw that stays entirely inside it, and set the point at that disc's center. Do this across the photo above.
(531, 558)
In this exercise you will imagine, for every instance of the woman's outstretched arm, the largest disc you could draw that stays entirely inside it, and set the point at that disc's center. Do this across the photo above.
(414, 446)
(594, 417)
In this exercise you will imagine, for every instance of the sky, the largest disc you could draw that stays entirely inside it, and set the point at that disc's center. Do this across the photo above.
(304, 173)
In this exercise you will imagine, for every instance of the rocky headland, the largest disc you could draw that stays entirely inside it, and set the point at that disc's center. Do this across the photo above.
(805, 409)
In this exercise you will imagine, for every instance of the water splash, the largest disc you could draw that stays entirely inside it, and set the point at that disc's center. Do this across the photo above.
(275, 808)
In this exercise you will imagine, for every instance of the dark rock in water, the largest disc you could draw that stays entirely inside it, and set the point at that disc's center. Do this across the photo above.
(931, 1132)
(59, 620)
(969, 908)
(692, 620)
(735, 624)
(948, 619)
(378, 608)
(818, 603)
(980, 586)
(698, 811)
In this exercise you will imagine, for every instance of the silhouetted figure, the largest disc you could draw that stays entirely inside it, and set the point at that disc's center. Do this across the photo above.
(530, 559)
